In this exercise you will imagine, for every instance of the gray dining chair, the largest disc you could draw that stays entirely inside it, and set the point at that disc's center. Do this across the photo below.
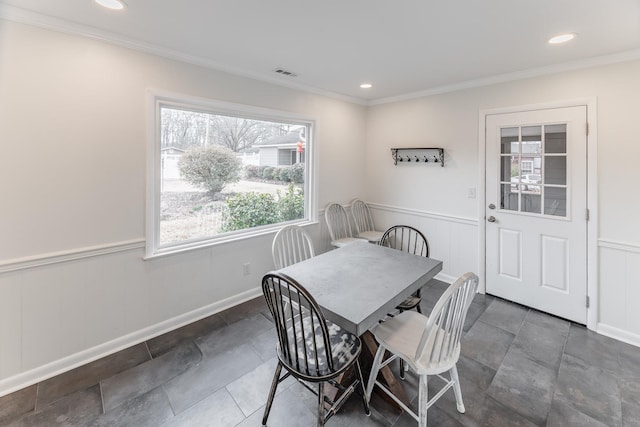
(291, 245)
(364, 222)
(429, 345)
(338, 225)
(311, 348)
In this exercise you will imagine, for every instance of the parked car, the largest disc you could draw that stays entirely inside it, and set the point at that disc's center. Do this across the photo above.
(534, 179)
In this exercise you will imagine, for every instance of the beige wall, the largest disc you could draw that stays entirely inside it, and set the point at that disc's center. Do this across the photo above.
(73, 117)
(73, 123)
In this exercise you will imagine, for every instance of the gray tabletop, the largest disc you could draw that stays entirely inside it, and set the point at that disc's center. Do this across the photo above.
(358, 284)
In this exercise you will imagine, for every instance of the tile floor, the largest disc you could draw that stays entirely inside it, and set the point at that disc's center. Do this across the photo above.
(518, 367)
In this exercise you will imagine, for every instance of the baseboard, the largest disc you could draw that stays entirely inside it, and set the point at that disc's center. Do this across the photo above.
(445, 278)
(618, 334)
(41, 373)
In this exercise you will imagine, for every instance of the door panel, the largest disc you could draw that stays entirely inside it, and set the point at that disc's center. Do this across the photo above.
(536, 233)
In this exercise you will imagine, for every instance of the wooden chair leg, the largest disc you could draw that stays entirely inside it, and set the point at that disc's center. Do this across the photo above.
(320, 404)
(423, 401)
(456, 389)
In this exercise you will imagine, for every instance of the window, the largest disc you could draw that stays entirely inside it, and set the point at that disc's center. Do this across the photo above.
(220, 172)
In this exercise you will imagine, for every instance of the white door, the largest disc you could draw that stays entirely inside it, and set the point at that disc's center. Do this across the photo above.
(536, 213)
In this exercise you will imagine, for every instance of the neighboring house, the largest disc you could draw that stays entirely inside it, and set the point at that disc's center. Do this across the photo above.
(283, 150)
(170, 157)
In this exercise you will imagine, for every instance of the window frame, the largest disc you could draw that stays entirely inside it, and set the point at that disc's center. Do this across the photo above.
(155, 100)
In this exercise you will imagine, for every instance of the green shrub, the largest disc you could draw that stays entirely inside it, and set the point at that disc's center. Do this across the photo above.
(275, 174)
(253, 171)
(285, 174)
(291, 204)
(296, 173)
(267, 172)
(210, 167)
(247, 210)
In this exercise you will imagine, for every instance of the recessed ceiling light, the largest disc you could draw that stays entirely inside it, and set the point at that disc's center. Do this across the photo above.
(366, 86)
(112, 4)
(562, 38)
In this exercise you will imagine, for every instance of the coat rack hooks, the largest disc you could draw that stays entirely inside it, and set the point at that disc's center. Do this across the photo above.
(412, 155)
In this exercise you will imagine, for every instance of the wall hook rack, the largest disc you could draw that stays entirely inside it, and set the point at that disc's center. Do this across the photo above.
(411, 155)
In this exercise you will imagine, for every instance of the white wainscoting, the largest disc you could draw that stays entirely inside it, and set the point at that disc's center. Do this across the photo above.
(452, 239)
(62, 310)
(619, 291)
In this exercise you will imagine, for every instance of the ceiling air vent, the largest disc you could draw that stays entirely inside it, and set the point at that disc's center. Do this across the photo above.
(285, 72)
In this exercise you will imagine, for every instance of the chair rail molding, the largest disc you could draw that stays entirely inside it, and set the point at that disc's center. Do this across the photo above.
(69, 255)
(425, 214)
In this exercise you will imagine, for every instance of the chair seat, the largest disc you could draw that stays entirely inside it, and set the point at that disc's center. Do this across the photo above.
(401, 335)
(338, 243)
(345, 347)
(410, 303)
(372, 235)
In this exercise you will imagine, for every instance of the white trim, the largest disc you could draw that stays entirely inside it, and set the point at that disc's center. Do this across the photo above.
(621, 246)
(618, 334)
(592, 192)
(424, 214)
(41, 373)
(630, 55)
(155, 99)
(69, 255)
(24, 16)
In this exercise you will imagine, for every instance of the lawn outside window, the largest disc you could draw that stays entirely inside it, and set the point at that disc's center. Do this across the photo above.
(219, 172)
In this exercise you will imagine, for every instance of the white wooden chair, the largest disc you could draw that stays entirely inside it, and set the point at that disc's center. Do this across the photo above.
(430, 345)
(291, 245)
(364, 222)
(339, 226)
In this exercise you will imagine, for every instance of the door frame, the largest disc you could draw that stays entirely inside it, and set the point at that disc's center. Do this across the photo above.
(592, 193)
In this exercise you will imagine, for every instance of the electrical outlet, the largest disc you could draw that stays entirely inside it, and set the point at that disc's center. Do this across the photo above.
(246, 268)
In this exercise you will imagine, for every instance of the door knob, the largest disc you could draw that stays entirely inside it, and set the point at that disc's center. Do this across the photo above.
(491, 219)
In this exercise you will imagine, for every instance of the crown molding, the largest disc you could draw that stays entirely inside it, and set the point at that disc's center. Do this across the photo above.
(28, 17)
(25, 16)
(630, 55)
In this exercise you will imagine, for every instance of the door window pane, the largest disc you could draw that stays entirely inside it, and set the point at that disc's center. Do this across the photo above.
(531, 202)
(509, 168)
(555, 170)
(555, 201)
(555, 137)
(509, 197)
(509, 140)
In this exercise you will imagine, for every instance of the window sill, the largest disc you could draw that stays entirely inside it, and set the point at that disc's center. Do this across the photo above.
(222, 240)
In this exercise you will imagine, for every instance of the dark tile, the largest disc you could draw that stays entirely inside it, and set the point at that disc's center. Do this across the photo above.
(148, 376)
(238, 333)
(76, 409)
(16, 404)
(496, 415)
(242, 311)
(483, 299)
(547, 321)
(165, 342)
(473, 372)
(563, 415)
(630, 390)
(215, 371)
(629, 360)
(90, 374)
(251, 390)
(265, 344)
(150, 409)
(486, 344)
(505, 315)
(217, 410)
(287, 411)
(594, 349)
(540, 344)
(352, 414)
(473, 314)
(473, 398)
(630, 414)
(589, 389)
(524, 386)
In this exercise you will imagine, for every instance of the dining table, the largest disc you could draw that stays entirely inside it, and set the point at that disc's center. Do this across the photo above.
(359, 284)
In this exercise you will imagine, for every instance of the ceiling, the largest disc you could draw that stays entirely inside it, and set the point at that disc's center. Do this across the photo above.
(405, 48)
